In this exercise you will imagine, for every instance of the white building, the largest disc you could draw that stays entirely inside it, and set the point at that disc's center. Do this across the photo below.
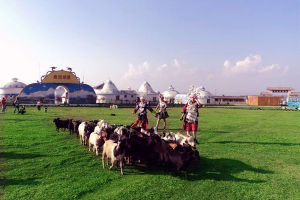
(12, 89)
(108, 94)
(169, 95)
(148, 93)
(204, 97)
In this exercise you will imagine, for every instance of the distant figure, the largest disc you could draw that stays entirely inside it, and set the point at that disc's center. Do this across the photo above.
(46, 109)
(39, 105)
(190, 116)
(141, 108)
(16, 105)
(3, 104)
(22, 110)
(162, 113)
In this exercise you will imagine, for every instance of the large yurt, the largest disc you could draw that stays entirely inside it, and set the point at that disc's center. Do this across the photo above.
(146, 91)
(108, 94)
(58, 87)
(204, 97)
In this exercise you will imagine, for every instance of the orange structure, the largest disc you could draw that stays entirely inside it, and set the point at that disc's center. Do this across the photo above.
(264, 100)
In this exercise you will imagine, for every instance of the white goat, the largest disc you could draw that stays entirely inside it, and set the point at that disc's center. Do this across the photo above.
(81, 128)
(93, 141)
(109, 149)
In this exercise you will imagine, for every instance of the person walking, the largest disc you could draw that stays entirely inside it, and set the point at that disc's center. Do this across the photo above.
(190, 116)
(16, 105)
(162, 113)
(3, 104)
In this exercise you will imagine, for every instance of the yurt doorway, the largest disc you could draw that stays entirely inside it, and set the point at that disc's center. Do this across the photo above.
(61, 95)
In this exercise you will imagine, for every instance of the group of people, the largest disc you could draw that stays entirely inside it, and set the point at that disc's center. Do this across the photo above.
(189, 116)
(16, 104)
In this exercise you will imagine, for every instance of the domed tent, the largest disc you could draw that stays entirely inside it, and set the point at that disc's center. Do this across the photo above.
(146, 91)
(58, 87)
(170, 94)
(204, 97)
(12, 89)
(108, 94)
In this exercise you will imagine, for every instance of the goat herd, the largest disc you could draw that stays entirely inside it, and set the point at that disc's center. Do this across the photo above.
(133, 145)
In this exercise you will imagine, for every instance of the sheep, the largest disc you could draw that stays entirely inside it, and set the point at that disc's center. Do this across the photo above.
(94, 141)
(64, 124)
(112, 151)
(81, 130)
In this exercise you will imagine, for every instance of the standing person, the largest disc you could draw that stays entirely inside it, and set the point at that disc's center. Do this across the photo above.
(38, 105)
(190, 116)
(3, 104)
(162, 113)
(141, 108)
(16, 105)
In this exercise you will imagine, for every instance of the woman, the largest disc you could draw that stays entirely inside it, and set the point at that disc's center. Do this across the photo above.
(162, 113)
(16, 104)
(190, 116)
(3, 104)
(141, 108)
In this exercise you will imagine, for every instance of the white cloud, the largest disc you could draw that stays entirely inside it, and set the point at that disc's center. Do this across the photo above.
(251, 64)
(135, 71)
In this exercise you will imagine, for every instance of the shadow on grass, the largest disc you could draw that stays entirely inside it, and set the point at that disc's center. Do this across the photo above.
(207, 169)
(260, 143)
(6, 182)
(13, 155)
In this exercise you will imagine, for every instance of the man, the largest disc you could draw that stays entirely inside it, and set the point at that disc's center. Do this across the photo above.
(141, 108)
(190, 116)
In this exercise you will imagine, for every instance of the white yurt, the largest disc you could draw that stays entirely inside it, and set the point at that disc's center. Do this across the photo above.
(169, 95)
(204, 97)
(12, 89)
(146, 91)
(108, 94)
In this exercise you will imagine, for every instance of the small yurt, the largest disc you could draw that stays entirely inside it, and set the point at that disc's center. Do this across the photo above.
(170, 94)
(11, 90)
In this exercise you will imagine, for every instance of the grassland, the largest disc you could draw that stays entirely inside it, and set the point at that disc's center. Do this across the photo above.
(245, 154)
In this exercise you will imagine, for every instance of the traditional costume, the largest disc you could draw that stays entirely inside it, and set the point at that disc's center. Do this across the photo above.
(190, 111)
(162, 110)
(142, 120)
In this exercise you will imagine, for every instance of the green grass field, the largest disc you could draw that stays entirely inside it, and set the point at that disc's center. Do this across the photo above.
(245, 154)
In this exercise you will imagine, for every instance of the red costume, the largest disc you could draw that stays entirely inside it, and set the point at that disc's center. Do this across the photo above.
(141, 109)
(190, 122)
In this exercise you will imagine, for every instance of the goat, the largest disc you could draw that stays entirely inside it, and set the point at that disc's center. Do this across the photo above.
(61, 124)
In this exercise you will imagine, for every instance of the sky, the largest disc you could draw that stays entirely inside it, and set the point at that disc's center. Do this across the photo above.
(232, 47)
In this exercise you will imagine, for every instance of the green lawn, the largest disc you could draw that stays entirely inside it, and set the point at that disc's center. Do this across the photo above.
(245, 154)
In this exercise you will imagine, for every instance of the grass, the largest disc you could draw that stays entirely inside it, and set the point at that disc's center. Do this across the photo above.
(245, 154)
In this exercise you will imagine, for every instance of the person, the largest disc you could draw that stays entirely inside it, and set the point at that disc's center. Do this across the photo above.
(162, 113)
(16, 104)
(38, 105)
(22, 110)
(46, 109)
(190, 116)
(141, 108)
(3, 104)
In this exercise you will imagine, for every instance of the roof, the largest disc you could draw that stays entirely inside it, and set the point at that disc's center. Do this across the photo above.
(109, 88)
(280, 88)
(14, 84)
(170, 93)
(146, 88)
(60, 76)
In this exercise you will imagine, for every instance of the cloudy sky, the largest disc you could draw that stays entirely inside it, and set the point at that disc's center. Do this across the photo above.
(230, 47)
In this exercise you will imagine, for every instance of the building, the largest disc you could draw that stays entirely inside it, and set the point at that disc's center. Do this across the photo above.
(204, 97)
(108, 94)
(58, 87)
(231, 100)
(170, 94)
(11, 90)
(264, 100)
(146, 91)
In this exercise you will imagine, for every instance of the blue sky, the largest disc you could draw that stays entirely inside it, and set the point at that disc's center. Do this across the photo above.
(230, 47)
